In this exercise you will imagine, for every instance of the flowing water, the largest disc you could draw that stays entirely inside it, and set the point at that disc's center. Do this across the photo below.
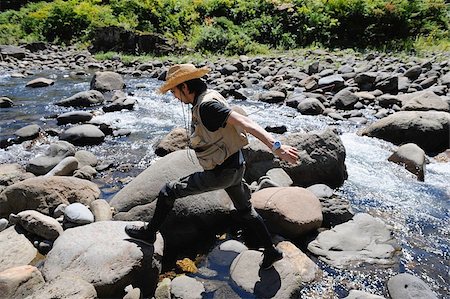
(417, 211)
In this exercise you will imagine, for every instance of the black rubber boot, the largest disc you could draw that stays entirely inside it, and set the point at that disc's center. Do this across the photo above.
(141, 232)
(271, 255)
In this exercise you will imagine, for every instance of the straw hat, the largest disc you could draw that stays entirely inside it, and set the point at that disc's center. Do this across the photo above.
(180, 73)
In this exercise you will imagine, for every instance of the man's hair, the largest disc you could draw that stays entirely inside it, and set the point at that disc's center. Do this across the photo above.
(196, 86)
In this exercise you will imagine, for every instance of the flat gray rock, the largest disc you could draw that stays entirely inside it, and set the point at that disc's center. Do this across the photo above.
(287, 276)
(28, 132)
(40, 82)
(83, 99)
(364, 239)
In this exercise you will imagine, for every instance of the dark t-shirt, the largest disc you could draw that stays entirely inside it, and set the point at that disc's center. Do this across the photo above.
(214, 115)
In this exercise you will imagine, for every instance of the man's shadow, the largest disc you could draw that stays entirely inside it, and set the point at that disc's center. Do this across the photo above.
(269, 283)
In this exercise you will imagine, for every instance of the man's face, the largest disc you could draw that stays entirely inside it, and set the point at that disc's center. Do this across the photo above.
(177, 92)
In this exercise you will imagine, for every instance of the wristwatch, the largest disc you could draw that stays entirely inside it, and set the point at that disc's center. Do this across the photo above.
(276, 145)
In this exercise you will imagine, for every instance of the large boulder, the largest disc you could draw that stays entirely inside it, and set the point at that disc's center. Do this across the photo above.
(193, 218)
(430, 130)
(145, 187)
(102, 254)
(322, 159)
(364, 239)
(286, 278)
(45, 194)
(113, 38)
(16, 249)
(288, 211)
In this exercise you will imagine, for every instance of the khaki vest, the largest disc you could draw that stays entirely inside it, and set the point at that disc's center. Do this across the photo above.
(213, 148)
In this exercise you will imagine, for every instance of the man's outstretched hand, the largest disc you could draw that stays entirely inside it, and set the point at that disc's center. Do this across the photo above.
(287, 153)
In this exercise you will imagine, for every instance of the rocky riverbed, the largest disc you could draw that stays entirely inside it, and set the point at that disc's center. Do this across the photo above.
(363, 215)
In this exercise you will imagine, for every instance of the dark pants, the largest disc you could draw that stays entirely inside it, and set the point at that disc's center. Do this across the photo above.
(229, 179)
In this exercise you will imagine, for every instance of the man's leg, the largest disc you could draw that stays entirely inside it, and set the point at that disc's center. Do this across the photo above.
(196, 183)
(240, 195)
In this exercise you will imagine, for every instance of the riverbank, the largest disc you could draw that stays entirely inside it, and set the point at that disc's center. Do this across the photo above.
(308, 93)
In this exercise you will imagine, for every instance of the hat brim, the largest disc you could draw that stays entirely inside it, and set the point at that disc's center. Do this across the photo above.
(198, 73)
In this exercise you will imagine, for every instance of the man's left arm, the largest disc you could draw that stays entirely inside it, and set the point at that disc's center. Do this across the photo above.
(284, 152)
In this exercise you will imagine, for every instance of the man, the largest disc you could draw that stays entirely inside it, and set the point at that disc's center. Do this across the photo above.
(217, 137)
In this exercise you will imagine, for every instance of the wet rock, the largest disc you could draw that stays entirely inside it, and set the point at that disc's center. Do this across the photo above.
(335, 211)
(74, 117)
(107, 81)
(364, 239)
(83, 99)
(28, 132)
(45, 194)
(16, 249)
(67, 287)
(224, 253)
(287, 276)
(40, 82)
(185, 287)
(55, 153)
(102, 254)
(38, 224)
(428, 129)
(20, 282)
(288, 211)
(407, 286)
(412, 158)
(119, 104)
(83, 135)
(6, 102)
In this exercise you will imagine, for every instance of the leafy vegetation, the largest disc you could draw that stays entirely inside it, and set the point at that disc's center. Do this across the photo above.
(239, 26)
